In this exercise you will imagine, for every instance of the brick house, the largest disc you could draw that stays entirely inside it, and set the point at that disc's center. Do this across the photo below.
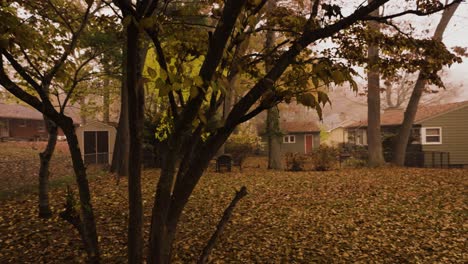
(20, 122)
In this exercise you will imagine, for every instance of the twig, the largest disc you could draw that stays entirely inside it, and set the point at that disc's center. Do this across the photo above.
(221, 225)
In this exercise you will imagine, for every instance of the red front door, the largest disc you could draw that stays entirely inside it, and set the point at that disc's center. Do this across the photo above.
(309, 143)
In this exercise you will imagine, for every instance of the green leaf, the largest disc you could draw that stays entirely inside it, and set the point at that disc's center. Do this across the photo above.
(164, 90)
(127, 20)
(198, 81)
(187, 82)
(202, 118)
(193, 92)
(308, 100)
(337, 76)
(323, 97)
(151, 72)
(160, 83)
(163, 74)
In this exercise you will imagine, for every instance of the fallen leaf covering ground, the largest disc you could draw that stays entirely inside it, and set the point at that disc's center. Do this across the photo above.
(363, 215)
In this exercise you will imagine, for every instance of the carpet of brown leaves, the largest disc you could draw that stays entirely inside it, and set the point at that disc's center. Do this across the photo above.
(365, 215)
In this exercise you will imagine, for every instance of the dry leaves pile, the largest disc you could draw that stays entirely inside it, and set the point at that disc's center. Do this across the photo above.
(383, 215)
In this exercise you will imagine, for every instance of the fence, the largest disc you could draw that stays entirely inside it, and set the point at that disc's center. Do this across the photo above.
(15, 174)
(428, 159)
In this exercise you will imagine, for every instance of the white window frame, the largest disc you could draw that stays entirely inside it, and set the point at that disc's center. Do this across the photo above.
(289, 139)
(424, 136)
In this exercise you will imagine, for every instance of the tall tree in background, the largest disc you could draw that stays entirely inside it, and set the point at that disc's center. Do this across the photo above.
(273, 116)
(429, 72)
(374, 136)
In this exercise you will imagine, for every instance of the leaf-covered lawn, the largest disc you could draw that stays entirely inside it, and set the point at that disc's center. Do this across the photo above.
(385, 215)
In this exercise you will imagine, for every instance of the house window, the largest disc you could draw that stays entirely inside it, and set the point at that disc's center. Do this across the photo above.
(415, 137)
(289, 139)
(431, 135)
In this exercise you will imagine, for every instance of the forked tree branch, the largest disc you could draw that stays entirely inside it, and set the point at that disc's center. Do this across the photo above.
(75, 36)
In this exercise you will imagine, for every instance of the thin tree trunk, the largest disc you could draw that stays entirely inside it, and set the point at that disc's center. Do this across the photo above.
(82, 111)
(399, 153)
(161, 235)
(86, 209)
(273, 115)
(274, 139)
(374, 136)
(135, 120)
(106, 100)
(388, 95)
(45, 157)
(121, 148)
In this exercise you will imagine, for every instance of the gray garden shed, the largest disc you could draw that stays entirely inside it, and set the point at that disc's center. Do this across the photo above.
(96, 141)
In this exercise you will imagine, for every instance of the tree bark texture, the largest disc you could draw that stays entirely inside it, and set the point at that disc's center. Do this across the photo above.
(135, 99)
(44, 172)
(121, 147)
(273, 116)
(374, 136)
(86, 209)
(401, 141)
(106, 100)
(274, 139)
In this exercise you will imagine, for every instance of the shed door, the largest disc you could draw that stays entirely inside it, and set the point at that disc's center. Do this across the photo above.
(309, 143)
(96, 147)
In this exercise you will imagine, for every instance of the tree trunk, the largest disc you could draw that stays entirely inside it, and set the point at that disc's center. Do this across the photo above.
(45, 157)
(82, 111)
(106, 100)
(121, 148)
(274, 139)
(273, 115)
(399, 153)
(374, 136)
(86, 209)
(135, 122)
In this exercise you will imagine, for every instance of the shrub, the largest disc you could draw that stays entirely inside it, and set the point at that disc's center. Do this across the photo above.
(295, 161)
(242, 144)
(325, 158)
(353, 162)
